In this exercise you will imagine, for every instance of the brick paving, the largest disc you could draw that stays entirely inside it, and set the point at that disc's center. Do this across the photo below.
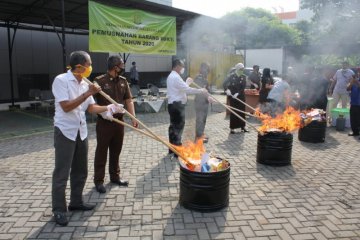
(317, 197)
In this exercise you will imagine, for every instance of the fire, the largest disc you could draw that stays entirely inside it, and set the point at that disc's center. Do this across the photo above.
(288, 121)
(192, 152)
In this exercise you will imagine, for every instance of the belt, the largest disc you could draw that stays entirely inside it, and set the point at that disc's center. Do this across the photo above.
(176, 102)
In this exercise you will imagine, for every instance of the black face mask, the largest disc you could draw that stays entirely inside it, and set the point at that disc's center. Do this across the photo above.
(120, 71)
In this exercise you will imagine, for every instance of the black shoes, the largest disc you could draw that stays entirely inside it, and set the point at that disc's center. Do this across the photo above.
(100, 188)
(232, 131)
(353, 134)
(121, 182)
(60, 218)
(82, 207)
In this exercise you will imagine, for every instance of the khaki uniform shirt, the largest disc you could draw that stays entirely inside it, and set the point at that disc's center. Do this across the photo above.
(117, 88)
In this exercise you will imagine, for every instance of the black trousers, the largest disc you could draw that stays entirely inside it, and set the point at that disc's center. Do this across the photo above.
(177, 122)
(71, 158)
(355, 118)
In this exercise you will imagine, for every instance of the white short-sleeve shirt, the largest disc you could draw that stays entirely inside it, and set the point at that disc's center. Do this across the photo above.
(65, 87)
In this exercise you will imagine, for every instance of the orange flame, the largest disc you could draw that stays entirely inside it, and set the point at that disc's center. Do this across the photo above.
(192, 152)
(288, 121)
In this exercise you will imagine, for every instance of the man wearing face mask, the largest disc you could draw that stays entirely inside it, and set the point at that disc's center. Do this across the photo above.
(235, 88)
(73, 97)
(202, 102)
(177, 91)
(110, 135)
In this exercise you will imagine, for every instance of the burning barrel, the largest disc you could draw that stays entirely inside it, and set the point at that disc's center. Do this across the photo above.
(204, 191)
(274, 148)
(314, 132)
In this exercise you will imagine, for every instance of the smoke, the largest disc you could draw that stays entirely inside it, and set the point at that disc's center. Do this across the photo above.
(335, 36)
(203, 33)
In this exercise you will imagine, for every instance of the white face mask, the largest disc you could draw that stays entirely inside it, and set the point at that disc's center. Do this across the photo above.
(182, 71)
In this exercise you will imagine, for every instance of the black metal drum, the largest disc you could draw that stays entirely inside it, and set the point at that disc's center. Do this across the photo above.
(274, 148)
(204, 192)
(313, 132)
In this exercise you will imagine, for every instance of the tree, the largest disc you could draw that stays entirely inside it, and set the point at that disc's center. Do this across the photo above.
(335, 21)
(345, 8)
(305, 31)
(258, 28)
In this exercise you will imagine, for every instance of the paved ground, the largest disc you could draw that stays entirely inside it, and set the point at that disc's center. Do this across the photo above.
(317, 197)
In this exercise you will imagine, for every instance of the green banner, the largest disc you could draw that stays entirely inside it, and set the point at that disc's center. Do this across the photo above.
(113, 29)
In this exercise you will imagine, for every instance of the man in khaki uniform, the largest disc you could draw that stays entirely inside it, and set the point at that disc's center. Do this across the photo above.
(110, 135)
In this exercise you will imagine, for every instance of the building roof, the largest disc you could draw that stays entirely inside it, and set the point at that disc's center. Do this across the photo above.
(286, 15)
(47, 13)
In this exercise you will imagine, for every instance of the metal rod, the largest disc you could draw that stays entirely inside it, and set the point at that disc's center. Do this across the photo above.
(227, 107)
(132, 127)
(239, 100)
(169, 145)
(238, 110)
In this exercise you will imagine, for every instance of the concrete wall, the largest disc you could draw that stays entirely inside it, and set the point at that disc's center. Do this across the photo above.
(265, 58)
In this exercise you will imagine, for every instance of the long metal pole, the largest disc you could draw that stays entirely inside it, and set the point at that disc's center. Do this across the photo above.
(10, 65)
(228, 108)
(63, 43)
(169, 145)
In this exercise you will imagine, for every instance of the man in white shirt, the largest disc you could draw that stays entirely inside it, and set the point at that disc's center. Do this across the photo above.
(340, 82)
(73, 97)
(278, 98)
(177, 91)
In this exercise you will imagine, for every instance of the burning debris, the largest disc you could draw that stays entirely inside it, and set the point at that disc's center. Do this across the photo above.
(288, 121)
(313, 126)
(312, 115)
(198, 160)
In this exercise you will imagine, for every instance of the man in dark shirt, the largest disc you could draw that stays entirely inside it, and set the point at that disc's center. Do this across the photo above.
(110, 135)
(255, 78)
(354, 87)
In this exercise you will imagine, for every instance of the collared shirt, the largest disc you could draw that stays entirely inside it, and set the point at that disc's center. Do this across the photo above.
(117, 88)
(177, 89)
(342, 77)
(65, 87)
(278, 90)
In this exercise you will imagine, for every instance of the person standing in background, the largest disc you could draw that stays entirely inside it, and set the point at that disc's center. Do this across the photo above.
(255, 78)
(110, 135)
(354, 88)
(235, 88)
(267, 82)
(134, 74)
(340, 81)
(202, 102)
